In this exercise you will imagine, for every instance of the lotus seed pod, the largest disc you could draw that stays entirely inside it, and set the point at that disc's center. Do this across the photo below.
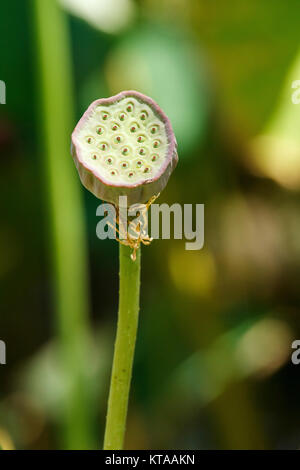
(124, 146)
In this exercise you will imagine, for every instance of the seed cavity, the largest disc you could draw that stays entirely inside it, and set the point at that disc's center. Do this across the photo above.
(154, 158)
(105, 116)
(142, 151)
(156, 144)
(141, 138)
(154, 128)
(103, 146)
(139, 163)
(109, 160)
(100, 130)
(144, 115)
(118, 139)
(134, 127)
(124, 165)
(90, 140)
(125, 151)
(130, 107)
(115, 126)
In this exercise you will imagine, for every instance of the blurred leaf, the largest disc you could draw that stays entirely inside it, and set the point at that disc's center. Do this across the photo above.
(106, 15)
(43, 378)
(276, 152)
(67, 247)
(165, 65)
(253, 347)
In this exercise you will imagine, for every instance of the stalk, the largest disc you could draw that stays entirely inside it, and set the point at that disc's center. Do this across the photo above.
(67, 238)
(124, 349)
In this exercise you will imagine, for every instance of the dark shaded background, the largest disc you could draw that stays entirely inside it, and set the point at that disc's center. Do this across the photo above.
(213, 363)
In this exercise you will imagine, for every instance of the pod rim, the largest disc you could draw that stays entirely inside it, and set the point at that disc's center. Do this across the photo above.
(171, 148)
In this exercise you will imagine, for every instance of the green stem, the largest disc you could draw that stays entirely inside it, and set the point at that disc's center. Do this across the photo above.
(68, 248)
(124, 349)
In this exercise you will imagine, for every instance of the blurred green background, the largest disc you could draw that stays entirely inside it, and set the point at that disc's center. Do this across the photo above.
(213, 363)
